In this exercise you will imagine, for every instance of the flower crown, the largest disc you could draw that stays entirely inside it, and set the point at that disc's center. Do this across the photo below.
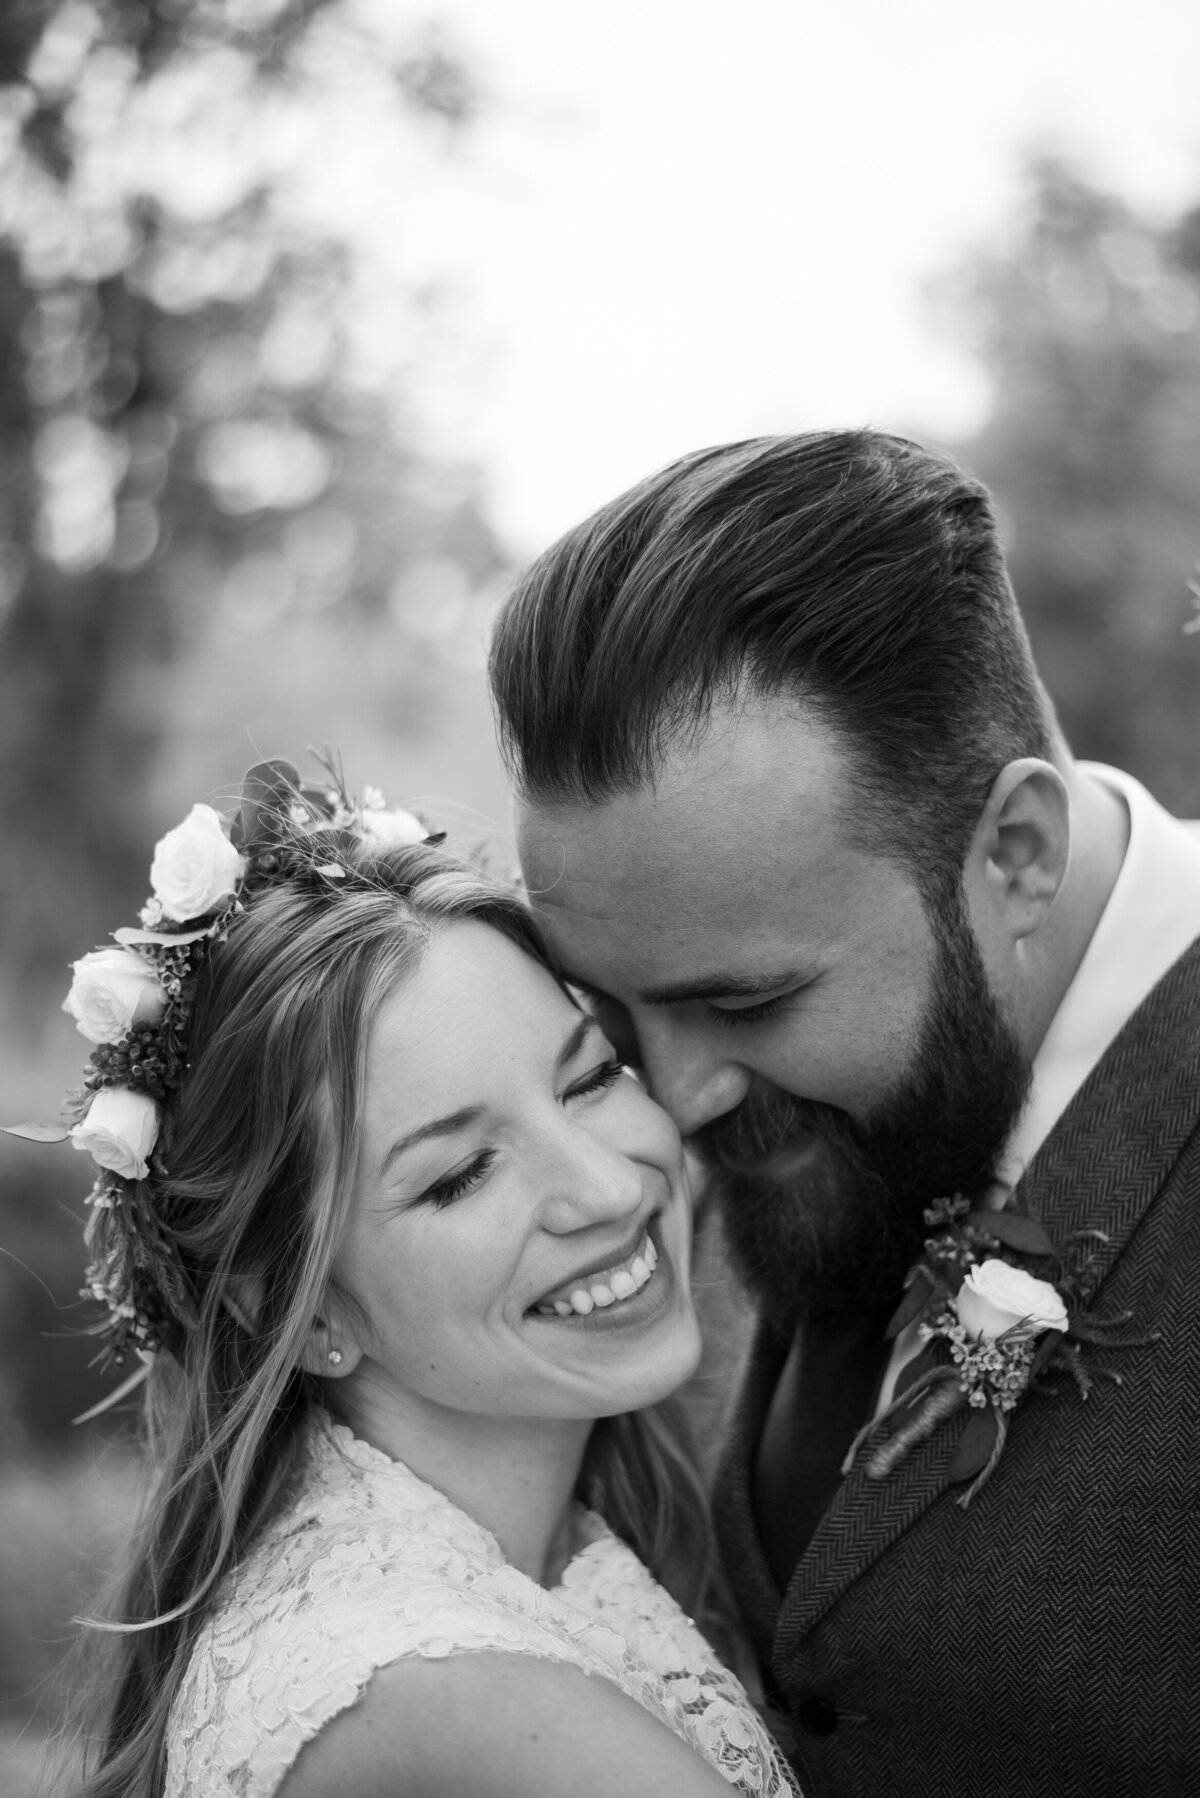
(134, 1001)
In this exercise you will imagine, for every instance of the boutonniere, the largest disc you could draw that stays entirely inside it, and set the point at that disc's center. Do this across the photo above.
(1007, 1327)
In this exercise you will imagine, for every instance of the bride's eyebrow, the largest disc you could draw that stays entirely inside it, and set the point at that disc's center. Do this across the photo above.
(443, 1126)
(575, 1040)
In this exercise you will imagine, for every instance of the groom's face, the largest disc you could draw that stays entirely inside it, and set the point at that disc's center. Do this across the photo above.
(836, 1054)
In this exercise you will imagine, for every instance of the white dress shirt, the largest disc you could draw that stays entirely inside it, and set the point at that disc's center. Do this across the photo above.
(1152, 916)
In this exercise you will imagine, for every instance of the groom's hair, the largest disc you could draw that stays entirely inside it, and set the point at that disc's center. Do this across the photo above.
(858, 573)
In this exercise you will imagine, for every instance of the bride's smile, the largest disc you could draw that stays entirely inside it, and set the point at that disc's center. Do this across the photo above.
(519, 1239)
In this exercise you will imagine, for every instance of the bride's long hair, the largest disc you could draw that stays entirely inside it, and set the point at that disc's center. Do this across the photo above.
(260, 1145)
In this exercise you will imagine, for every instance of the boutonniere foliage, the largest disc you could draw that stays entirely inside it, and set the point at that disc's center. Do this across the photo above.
(998, 1309)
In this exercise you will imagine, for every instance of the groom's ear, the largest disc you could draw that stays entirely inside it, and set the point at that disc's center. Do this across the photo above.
(1019, 851)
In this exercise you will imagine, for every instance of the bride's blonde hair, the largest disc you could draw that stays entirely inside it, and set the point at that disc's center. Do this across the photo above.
(260, 1144)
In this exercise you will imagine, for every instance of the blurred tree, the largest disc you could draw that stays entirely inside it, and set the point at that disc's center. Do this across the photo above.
(211, 470)
(201, 388)
(1088, 321)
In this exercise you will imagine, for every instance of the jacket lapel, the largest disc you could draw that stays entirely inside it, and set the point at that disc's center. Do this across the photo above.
(1097, 1173)
(1110, 1152)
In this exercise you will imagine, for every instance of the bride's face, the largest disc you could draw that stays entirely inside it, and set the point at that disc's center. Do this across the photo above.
(520, 1234)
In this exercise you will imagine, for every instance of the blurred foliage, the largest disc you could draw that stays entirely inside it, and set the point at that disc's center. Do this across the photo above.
(1088, 321)
(218, 508)
(202, 392)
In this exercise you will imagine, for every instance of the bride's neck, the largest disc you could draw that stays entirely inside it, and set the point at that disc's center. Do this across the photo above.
(516, 1476)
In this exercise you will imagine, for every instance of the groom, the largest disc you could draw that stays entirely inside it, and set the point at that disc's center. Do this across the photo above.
(797, 813)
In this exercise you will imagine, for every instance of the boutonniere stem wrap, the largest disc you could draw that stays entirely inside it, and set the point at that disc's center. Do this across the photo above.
(990, 1330)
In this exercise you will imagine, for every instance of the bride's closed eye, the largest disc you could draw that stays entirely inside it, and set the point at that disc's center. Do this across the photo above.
(465, 1179)
(605, 1075)
(453, 1186)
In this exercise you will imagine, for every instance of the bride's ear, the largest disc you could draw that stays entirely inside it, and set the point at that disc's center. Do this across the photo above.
(332, 1349)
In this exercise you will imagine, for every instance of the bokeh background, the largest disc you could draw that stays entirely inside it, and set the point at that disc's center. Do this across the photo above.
(318, 317)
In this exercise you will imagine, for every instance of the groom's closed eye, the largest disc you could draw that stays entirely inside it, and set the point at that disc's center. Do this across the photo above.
(743, 995)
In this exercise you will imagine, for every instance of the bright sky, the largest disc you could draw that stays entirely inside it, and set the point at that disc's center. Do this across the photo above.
(685, 221)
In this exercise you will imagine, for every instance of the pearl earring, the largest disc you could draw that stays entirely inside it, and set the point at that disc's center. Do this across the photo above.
(335, 1357)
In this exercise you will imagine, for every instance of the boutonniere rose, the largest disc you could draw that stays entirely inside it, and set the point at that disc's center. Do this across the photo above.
(194, 866)
(990, 1331)
(119, 1131)
(113, 990)
(996, 1297)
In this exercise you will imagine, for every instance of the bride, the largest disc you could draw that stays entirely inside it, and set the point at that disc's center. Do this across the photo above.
(405, 1251)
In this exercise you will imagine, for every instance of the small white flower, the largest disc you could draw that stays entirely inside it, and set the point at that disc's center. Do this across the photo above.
(994, 1297)
(393, 828)
(194, 865)
(119, 1131)
(113, 989)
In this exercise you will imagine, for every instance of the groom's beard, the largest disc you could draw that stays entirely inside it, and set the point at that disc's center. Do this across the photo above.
(823, 1214)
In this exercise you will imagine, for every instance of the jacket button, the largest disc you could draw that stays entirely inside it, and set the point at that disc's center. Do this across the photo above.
(816, 1716)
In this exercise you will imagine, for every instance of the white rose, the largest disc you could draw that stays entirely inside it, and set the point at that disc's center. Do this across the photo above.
(113, 989)
(119, 1131)
(995, 1296)
(194, 865)
(393, 828)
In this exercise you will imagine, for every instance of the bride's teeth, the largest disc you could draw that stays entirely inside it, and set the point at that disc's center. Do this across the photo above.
(621, 1284)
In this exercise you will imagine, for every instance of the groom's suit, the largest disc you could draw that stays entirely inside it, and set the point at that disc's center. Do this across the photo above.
(1047, 1639)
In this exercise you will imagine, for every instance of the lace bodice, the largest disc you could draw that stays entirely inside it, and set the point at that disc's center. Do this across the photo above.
(370, 1564)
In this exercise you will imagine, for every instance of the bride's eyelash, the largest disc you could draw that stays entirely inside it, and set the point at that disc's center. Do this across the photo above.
(444, 1192)
(750, 1014)
(607, 1074)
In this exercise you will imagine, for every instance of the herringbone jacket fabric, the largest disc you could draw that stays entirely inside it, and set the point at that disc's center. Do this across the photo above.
(1045, 1642)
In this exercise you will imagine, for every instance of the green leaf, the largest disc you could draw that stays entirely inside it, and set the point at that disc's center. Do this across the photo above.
(37, 1132)
(975, 1445)
(921, 1289)
(912, 1370)
(1015, 1231)
(129, 938)
(1044, 1351)
(269, 789)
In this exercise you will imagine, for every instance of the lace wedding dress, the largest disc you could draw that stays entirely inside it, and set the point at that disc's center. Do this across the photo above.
(370, 1564)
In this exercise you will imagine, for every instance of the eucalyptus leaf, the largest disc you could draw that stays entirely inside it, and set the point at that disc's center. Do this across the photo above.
(269, 790)
(1045, 1351)
(173, 939)
(38, 1132)
(1015, 1231)
(921, 1289)
(975, 1445)
(921, 1363)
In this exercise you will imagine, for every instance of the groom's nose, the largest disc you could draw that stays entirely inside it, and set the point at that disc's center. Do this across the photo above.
(688, 1074)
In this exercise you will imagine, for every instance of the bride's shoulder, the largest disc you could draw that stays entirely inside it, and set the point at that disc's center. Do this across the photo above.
(498, 1726)
(363, 1567)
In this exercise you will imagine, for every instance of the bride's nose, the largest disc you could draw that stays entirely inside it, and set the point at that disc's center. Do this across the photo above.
(585, 1181)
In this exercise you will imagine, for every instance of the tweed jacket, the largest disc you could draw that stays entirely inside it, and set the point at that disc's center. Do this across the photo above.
(1046, 1640)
